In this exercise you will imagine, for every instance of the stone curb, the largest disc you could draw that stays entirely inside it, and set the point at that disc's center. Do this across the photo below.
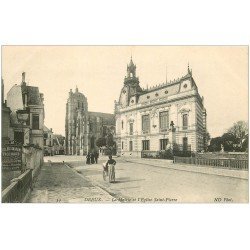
(191, 169)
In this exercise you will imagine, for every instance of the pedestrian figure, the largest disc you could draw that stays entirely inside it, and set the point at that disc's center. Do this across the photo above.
(96, 156)
(92, 157)
(88, 158)
(110, 164)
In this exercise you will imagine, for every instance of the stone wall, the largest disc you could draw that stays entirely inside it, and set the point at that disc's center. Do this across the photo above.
(33, 159)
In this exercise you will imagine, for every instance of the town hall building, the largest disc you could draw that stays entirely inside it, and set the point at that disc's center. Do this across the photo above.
(170, 114)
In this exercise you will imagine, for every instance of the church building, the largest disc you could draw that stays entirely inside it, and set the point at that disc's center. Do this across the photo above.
(82, 127)
(170, 114)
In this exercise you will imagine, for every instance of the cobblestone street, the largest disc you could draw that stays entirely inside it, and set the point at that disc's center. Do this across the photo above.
(138, 180)
(58, 183)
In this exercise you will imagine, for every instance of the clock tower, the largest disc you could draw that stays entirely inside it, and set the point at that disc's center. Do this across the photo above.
(131, 85)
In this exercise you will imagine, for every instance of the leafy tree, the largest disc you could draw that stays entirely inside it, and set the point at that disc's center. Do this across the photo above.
(215, 144)
(110, 140)
(240, 131)
(100, 142)
(245, 145)
(228, 140)
(207, 139)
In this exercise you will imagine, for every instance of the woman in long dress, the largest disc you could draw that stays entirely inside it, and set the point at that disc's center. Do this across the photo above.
(111, 166)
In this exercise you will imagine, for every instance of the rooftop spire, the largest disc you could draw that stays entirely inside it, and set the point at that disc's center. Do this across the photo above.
(189, 71)
(23, 83)
(131, 64)
(23, 77)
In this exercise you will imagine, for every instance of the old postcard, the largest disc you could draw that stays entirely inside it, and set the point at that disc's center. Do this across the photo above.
(125, 124)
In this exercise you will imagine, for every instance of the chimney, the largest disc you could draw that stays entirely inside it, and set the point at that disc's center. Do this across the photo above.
(23, 77)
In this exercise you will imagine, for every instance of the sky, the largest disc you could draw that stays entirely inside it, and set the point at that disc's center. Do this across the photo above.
(220, 72)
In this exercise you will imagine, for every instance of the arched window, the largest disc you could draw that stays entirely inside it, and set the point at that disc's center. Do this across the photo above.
(185, 121)
(131, 128)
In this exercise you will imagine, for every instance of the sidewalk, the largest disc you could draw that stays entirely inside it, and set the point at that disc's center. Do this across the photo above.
(58, 183)
(241, 174)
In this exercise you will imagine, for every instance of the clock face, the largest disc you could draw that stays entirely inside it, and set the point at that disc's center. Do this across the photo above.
(124, 97)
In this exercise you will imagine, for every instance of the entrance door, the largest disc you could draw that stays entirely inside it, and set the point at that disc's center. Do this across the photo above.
(130, 146)
(19, 137)
(185, 143)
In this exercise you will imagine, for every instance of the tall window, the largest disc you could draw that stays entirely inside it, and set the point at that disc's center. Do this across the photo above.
(145, 123)
(164, 120)
(185, 121)
(131, 128)
(145, 145)
(122, 145)
(130, 146)
(122, 124)
(35, 121)
(163, 144)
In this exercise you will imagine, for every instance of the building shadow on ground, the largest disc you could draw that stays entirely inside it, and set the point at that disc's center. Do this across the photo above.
(127, 179)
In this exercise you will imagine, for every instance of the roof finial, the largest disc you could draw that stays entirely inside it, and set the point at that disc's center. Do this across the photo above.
(189, 71)
(23, 77)
(76, 89)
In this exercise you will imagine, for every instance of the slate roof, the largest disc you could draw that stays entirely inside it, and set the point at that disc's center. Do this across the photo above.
(164, 90)
(33, 95)
(107, 117)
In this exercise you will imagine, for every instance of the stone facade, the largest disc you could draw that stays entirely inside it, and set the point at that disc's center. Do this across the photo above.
(5, 119)
(53, 143)
(159, 117)
(26, 100)
(29, 100)
(83, 128)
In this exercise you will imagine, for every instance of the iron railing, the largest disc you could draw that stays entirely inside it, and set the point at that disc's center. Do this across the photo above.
(223, 163)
